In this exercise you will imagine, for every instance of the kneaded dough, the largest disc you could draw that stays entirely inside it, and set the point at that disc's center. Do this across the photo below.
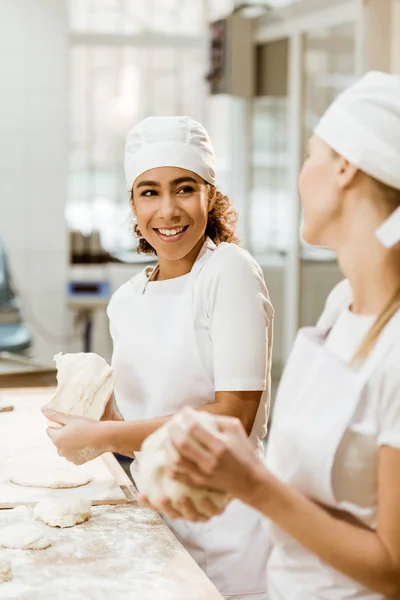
(5, 570)
(56, 479)
(24, 536)
(63, 513)
(85, 384)
(152, 478)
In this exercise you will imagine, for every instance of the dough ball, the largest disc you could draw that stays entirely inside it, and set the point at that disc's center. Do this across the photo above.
(152, 478)
(63, 513)
(58, 478)
(5, 570)
(24, 537)
(84, 385)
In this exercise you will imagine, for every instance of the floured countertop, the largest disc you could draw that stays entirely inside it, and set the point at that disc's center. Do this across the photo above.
(122, 553)
(125, 551)
(25, 447)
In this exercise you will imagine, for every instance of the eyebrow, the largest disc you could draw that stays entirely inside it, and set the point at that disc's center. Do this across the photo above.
(177, 181)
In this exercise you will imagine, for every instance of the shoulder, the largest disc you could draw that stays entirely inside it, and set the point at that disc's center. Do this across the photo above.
(338, 300)
(228, 259)
(231, 276)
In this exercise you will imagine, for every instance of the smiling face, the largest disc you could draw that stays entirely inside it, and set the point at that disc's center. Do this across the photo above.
(171, 206)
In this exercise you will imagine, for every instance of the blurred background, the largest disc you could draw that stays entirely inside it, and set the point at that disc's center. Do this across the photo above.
(76, 74)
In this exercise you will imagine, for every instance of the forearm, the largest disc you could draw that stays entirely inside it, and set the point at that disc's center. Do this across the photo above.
(357, 552)
(126, 437)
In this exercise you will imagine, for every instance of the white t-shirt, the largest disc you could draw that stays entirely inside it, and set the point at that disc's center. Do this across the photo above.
(232, 313)
(376, 423)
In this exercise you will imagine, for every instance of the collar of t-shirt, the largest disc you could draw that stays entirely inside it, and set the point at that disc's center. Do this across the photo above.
(347, 334)
(177, 284)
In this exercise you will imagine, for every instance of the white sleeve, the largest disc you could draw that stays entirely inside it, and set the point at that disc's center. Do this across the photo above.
(388, 389)
(240, 318)
(111, 321)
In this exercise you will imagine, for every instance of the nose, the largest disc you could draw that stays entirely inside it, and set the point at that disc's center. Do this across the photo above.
(168, 207)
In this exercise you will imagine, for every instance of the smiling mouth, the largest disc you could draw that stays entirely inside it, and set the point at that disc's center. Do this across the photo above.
(171, 232)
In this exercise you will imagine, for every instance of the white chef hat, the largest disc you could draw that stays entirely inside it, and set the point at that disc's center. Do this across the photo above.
(363, 126)
(168, 142)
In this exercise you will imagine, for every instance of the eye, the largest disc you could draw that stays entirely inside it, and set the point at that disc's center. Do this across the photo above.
(187, 189)
(148, 193)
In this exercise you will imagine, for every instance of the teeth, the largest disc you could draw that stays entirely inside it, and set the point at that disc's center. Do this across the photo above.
(171, 232)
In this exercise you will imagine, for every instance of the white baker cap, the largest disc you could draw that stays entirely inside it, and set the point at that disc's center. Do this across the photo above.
(168, 142)
(363, 126)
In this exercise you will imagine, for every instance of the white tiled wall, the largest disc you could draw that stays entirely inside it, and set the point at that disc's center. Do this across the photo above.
(33, 160)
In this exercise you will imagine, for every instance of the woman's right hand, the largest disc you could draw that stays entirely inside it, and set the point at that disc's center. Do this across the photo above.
(110, 414)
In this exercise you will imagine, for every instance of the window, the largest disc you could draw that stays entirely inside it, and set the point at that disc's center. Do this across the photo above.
(328, 68)
(119, 76)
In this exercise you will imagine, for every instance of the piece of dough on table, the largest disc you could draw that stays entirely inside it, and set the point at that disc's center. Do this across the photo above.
(63, 513)
(53, 479)
(24, 536)
(84, 385)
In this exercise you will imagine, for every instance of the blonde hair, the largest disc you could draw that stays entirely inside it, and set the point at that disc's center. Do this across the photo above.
(391, 197)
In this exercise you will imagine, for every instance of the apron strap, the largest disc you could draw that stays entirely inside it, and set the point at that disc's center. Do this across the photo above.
(198, 265)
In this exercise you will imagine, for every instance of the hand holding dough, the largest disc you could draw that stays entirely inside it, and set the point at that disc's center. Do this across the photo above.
(85, 384)
(63, 513)
(153, 480)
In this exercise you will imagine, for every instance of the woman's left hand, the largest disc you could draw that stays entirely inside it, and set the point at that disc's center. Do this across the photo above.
(224, 460)
(78, 439)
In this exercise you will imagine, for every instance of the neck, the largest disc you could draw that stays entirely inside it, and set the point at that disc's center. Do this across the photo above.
(170, 269)
(372, 270)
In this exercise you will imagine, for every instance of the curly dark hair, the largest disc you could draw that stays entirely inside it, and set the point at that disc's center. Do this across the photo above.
(221, 224)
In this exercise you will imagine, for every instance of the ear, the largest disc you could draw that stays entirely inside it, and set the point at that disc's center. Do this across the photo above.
(347, 172)
(212, 197)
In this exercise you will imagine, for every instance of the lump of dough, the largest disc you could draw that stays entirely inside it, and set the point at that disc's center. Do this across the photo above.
(24, 537)
(56, 479)
(63, 513)
(152, 478)
(84, 385)
(5, 570)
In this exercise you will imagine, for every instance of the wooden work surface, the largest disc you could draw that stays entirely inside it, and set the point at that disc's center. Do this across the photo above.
(24, 446)
(125, 552)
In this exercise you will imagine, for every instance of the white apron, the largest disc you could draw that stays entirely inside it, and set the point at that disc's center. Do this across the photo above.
(160, 375)
(317, 399)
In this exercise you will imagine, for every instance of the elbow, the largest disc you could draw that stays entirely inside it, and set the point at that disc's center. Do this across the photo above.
(389, 585)
(392, 588)
(247, 421)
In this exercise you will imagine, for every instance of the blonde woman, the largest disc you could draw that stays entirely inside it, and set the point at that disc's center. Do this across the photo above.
(331, 488)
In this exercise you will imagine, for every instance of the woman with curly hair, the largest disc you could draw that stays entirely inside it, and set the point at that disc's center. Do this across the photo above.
(195, 331)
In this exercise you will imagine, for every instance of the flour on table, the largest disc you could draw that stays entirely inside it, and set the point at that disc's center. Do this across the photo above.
(57, 478)
(152, 478)
(24, 537)
(146, 517)
(85, 384)
(17, 591)
(5, 570)
(63, 513)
